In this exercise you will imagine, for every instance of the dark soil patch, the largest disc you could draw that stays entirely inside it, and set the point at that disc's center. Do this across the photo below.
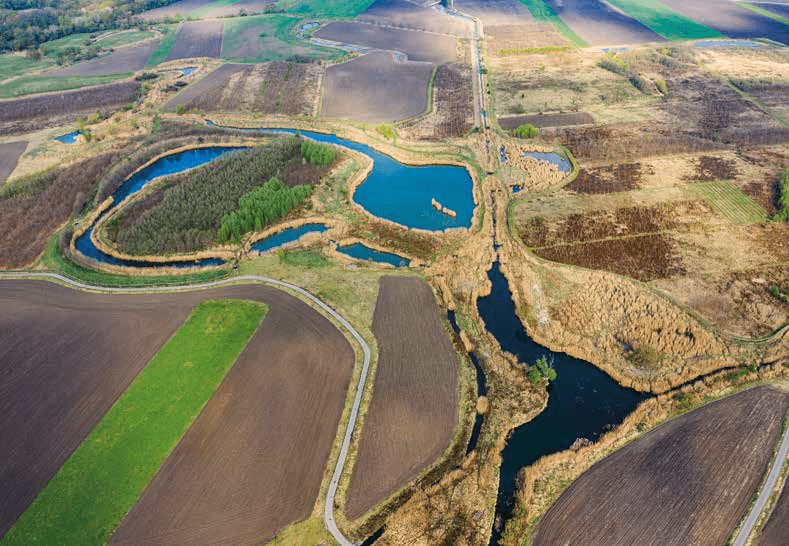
(375, 88)
(711, 168)
(765, 192)
(9, 156)
(419, 46)
(274, 417)
(409, 15)
(122, 60)
(778, 9)
(454, 101)
(777, 527)
(414, 409)
(547, 120)
(598, 23)
(52, 109)
(645, 257)
(607, 179)
(708, 463)
(269, 88)
(197, 39)
(496, 12)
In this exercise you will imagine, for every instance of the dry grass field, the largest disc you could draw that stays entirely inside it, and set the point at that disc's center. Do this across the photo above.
(547, 120)
(122, 60)
(405, 14)
(9, 156)
(707, 463)
(52, 109)
(599, 23)
(776, 529)
(269, 88)
(418, 45)
(376, 87)
(730, 19)
(274, 416)
(198, 39)
(414, 409)
(504, 38)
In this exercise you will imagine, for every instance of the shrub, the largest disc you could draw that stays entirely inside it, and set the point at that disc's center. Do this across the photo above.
(525, 131)
(317, 154)
(613, 65)
(661, 86)
(387, 131)
(646, 357)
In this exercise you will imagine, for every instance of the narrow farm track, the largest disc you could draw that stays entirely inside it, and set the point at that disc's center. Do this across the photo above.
(329, 520)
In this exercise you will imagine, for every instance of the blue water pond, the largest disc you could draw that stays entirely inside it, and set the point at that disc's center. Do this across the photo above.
(361, 252)
(728, 43)
(287, 236)
(562, 163)
(68, 138)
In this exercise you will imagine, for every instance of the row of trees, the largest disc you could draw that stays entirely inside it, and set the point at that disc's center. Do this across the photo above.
(262, 206)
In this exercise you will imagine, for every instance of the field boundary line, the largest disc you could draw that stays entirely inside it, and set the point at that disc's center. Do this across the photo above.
(765, 492)
(328, 512)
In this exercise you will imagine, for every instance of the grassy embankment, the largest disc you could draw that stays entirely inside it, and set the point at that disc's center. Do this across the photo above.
(104, 477)
(664, 21)
(168, 39)
(544, 14)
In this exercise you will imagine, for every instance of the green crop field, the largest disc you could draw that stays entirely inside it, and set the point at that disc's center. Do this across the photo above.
(730, 202)
(12, 65)
(543, 13)
(105, 476)
(44, 84)
(325, 8)
(663, 20)
(124, 38)
(168, 39)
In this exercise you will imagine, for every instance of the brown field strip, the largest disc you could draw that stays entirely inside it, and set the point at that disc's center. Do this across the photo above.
(9, 156)
(599, 23)
(208, 8)
(777, 527)
(730, 19)
(120, 61)
(197, 39)
(253, 460)
(406, 14)
(689, 481)
(547, 120)
(414, 409)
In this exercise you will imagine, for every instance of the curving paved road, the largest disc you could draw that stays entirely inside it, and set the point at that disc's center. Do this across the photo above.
(328, 512)
(764, 494)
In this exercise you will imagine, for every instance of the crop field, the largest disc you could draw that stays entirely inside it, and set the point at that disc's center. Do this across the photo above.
(376, 87)
(729, 19)
(777, 527)
(414, 409)
(41, 111)
(524, 37)
(729, 201)
(496, 12)
(418, 45)
(269, 38)
(777, 9)
(205, 8)
(405, 14)
(122, 60)
(600, 24)
(197, 39)
(663, 20)
(9, 156)
(270, 88)
(278, 401)
(708, 463)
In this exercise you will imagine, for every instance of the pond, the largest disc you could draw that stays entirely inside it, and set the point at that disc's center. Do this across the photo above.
(287, 236)
(188, 71)
(69, 138)
(562, 163)
(583, 401)
(361, 252)
(728, 43)
(165, 166)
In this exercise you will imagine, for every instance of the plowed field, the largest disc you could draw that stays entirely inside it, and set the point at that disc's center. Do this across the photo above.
(257, 452)
(120, 61)
(414, 408)
(598, 22)
(197, 39)
(405, 14)
(777, 527)
(730, 19)
(689, 481)
(9, 155)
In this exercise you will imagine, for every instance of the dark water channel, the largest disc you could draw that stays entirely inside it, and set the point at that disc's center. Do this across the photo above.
(583, 401)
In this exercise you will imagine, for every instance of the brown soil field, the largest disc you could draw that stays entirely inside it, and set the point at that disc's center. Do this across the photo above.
(547, 120)
(414, 408)
(730, 19)
(776, 529)
(607, 179)
(207, 7)
(28, 222)
(9, 156)
(495, 12)
(198, 39)
(405, 14)
(598, 23)
(268, 428)
(122, 60)
(376, 87)
(269, 88)
(417, 45)
(707, 463)
(508, 37)
(53, 109)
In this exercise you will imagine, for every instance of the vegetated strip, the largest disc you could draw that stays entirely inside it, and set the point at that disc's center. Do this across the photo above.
(161, 53)
(661, 19)
(729, 201)
(104, 477)
(762, 11)
(543, 13)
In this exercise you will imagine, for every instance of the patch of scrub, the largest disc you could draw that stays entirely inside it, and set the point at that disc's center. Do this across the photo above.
(361, 252)
(287, 236)
(563, 164)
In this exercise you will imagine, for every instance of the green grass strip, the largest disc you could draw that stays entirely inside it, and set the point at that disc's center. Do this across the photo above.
(762, 11)
(105, 476)
(661, 19)
(544, 14)
(325, 8)
(168, 39)
(55, 262)
(730, 202)
(44, 84)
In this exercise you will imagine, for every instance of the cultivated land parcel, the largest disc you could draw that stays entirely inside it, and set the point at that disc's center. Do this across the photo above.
(610, 180)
